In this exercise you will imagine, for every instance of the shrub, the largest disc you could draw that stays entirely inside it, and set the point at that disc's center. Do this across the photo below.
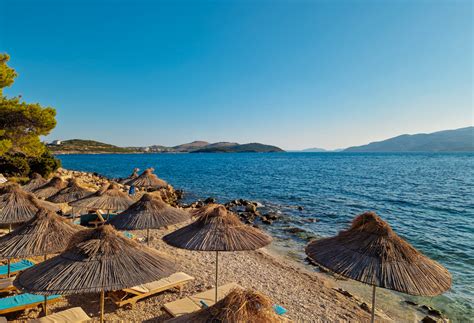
(44, 165)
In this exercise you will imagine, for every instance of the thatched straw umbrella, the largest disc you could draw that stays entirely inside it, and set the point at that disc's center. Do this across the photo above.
(150, 212)
(36, 182)
(50, 188)
(46, 233)
(218, 230)
(147, 180)
(372, 253)
(72, 192)
(109, 198)
(96, 261)
(240, 305)
(17, 206)
(133, 175)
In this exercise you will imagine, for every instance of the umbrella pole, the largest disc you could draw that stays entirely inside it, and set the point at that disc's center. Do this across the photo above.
(45, 297)
(148, 237)
(372, 319)
(102, 296)
(217, 270)
(9, 230)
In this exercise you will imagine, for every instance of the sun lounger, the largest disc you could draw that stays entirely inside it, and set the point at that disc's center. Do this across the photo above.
(132, 295)
(22, 302)
(16, 267)
(6, 284)
(193, 303)
(75, 314)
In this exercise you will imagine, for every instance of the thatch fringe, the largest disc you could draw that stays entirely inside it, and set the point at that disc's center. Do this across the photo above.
(147, 180)
(370, 252)
(239, 306)
(150, 212)
(72, 192)
(17, 206)
(96, 260)
(107, 198)
(36, 182)
(218, 230)
(50, 188)
(46, 233)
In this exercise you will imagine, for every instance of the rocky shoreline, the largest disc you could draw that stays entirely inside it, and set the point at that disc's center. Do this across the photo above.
(308, 295)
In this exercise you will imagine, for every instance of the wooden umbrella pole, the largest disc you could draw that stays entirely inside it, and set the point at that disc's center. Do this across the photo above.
(9, 227)
(102, 296)
(8, 267)
(217, 270)
(372, 320)
(148, 237)
(45, 297)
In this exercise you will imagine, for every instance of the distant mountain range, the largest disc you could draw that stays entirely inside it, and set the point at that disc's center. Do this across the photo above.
(78, 146)
(457, 140)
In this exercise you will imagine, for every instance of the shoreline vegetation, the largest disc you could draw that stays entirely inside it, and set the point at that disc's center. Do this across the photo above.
(308, 295)
(79, 146)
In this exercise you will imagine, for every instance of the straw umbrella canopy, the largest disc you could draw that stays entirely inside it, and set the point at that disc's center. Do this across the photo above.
(17, 206)
(36, 182)
(150, 212)
(96, 261)
(372, 253)
(72, 192)
(133, 175)
(240, 305)
(217, 229)
(147, 180)
(109, 198)
(50, 188)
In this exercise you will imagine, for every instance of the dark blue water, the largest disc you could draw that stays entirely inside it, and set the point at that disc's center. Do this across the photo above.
(427, 198)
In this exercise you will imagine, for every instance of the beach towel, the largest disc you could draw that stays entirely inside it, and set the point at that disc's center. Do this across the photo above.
(22, 300)
(16, 267)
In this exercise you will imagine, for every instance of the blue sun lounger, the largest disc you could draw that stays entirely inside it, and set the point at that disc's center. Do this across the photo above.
(22, 302)
(16, 267)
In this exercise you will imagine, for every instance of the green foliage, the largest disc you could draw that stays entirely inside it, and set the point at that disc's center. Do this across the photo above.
(7, 74)
(14, 165)
(21, 125)
(45, 165)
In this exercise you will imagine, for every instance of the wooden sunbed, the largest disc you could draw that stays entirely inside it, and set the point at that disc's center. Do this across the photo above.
(23, 302)
(130, 296)
(100, 219)
(6, 284)
(75, 314)
(193, 303)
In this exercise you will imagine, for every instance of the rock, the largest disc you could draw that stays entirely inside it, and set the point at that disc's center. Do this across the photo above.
(428, 319)
(271, 216)
(294, 230)
(343, 292)
(251, 208)
(365, 307)
(210, 200)
(411, 303)
(431, 311)
(300, 208)
(265, 220)
(311, 220)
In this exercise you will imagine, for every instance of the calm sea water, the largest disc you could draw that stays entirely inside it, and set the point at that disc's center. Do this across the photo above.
(428, 199)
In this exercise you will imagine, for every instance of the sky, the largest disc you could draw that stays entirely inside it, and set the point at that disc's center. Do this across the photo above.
(295, 74)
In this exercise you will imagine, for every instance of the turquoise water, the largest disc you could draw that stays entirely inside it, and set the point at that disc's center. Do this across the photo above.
(427, 198)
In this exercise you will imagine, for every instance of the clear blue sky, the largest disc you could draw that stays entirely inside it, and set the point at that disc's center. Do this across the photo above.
(291, 73)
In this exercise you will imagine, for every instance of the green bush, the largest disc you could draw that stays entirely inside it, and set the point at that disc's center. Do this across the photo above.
(44, 165)
(20, 166)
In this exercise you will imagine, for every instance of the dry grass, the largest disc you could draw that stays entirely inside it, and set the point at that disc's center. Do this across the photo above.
(150, 212)
(72, 192)
(17, 206)
(96, 260)
(107, 198)
(50, 188)
(36, 182)
(46, 233)
(239, 306)
(147, 180)
(372, 253)
(217, 229)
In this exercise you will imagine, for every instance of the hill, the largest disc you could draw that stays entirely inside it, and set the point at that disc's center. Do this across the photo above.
(236, 148)
(457, 140)
(87, 146)
(190, 146)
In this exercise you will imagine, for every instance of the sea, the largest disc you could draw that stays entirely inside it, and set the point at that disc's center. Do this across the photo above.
(427, 198)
